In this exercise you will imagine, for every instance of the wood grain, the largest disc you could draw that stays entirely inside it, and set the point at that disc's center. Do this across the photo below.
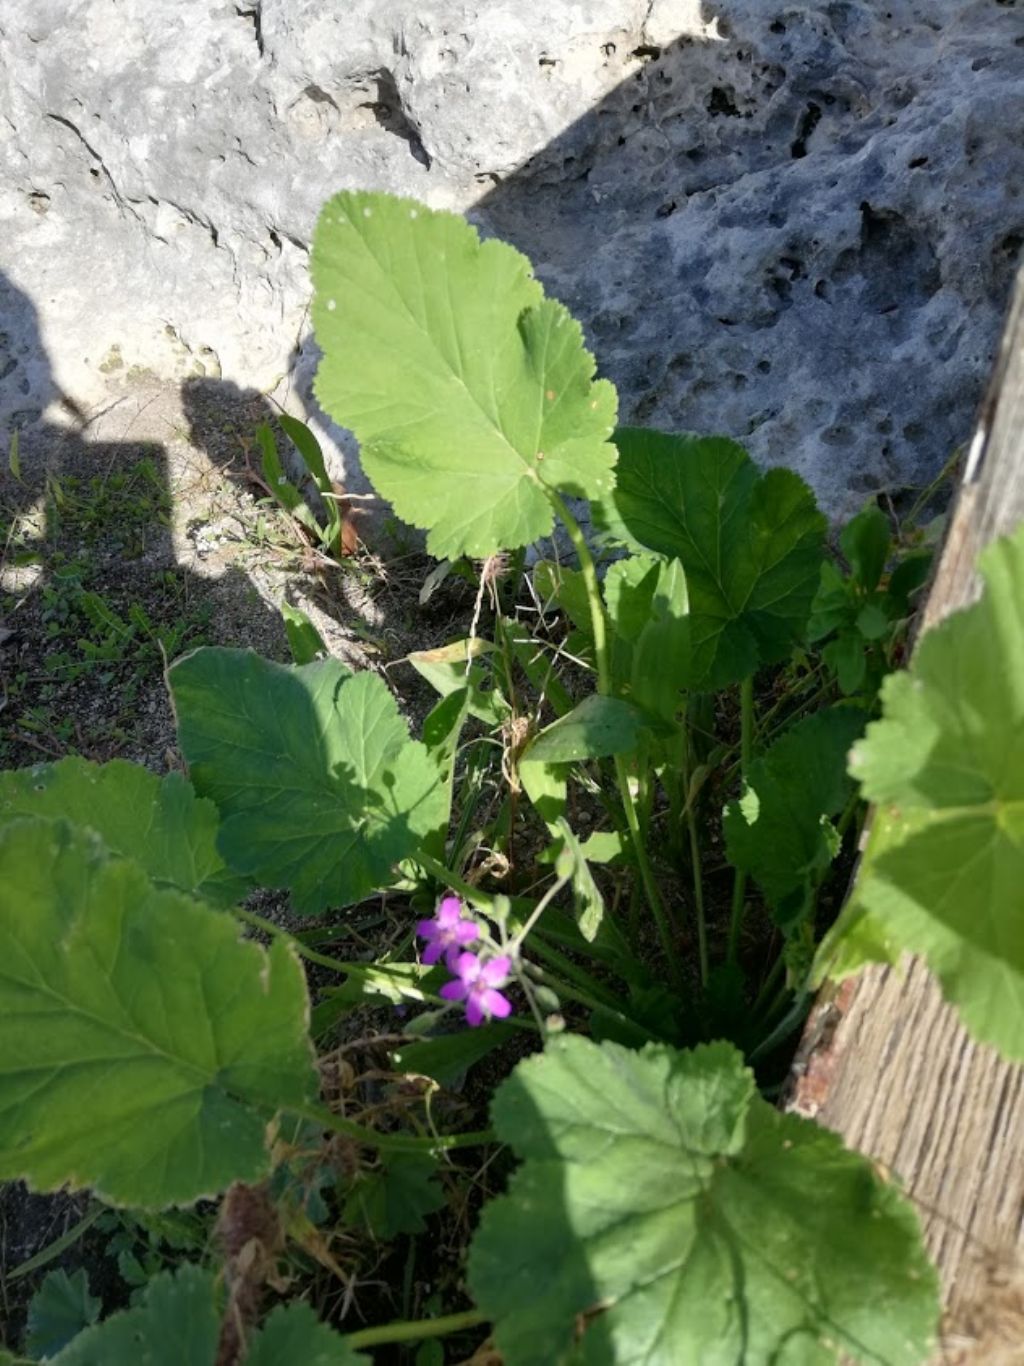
(884, 1061)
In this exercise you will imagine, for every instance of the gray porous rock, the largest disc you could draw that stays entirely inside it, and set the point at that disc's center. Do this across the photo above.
(792, 223)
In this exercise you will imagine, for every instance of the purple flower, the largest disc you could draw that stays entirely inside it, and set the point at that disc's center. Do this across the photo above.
(476, 983)
(447, 933)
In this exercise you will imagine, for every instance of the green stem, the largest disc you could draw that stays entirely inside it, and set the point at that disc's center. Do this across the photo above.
(589, 991)
(646, 873)
(599, 627)
(598, 620)
(766, 736)
(793, 1020)
(695, 859)
(746, 742)
(769, 984)
(848, 813)
(279, 932)
(780, 999)
(516, 942)
(406, 1143)
(415, 1330)
(509, 585)
(698, 892)
(764, 722)
(585, 999)
(448, 878)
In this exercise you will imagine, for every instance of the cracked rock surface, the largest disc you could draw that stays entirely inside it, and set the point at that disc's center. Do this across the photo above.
(794, 224)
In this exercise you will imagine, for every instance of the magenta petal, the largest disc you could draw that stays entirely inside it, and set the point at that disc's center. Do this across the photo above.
(426, 929)
(449, 910)
(496, 971)
(495, 1004)
(432, 953)
(467, 965)
(454, 991)
(466, 931)
(474, 1011)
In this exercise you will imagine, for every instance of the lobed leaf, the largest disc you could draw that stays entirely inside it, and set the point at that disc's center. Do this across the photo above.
(595, 728)
(448, 1057)
(945, 865)
(776, 833)
(660, 654)
(178, 1324)
(471, 393)
(461, 664)
(60, 1308)
(397, 1198)
(750, 544)
(629, 588)
(319, 787)
(866, 541)
(293, 1334)
(160, 823)
(665, 1213)
(143, 1045)
(571, 862)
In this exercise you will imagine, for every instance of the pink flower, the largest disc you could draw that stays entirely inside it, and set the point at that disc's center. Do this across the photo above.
(476, 983)
(447, 933)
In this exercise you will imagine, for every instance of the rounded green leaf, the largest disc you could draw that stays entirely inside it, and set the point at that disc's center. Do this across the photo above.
(750, 543)
(595, 728)
(143, 1045)
(59, 1310)
(319, 787)
(775, 832)
(448, 1057)
(664, 1213)
(630, 586)
(943, 873)
(292, 1335)
(177, 1324)
(159, 822)
(396, 1198)
(865, 541)
(470, 392)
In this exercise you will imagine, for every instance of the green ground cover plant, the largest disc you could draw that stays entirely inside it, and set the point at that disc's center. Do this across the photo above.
(609, 868)
(96, 638)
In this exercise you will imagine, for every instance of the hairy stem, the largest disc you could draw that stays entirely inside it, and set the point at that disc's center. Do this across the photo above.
(415, 1329)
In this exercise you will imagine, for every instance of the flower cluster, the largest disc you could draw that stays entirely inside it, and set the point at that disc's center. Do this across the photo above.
(474, 981)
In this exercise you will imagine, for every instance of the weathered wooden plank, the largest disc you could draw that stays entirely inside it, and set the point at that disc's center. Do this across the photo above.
(884, 1061)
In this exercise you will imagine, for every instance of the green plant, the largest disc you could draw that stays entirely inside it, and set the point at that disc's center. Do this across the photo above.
(859, 614)
(327, 532)
(555, 842)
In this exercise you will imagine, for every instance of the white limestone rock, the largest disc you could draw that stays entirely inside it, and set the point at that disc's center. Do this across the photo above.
(795, 224)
